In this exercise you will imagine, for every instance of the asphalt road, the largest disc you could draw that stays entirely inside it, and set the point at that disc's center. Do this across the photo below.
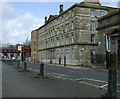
(19, 84)
(95, 78)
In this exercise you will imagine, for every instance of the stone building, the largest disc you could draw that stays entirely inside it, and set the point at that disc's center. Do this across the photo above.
(119, 4)
(71, 37)
(109, 36)
(34, 46)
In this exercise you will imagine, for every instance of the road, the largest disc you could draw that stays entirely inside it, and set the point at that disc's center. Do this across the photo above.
(68, 82)
(95, 78)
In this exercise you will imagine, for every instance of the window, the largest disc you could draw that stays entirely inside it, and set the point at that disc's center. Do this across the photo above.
(72, 13)
(93, 56)
(34, 33)
(92, 13)
(51, 44)
(34, 57)
(34, 39)
(67, 53)
(62, 29)
(72, 25)
(92, 25)
(72, 38)
(67, 16)
(93, 38)
(57, 41)
(72, 53)
(46, 55)
(100, 13)
(62, 54)
(67, 27)
(62, 40)
(67, 40)
(53, 54)
(57, 54)
(34, 45)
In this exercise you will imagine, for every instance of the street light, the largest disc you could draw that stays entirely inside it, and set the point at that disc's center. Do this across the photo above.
(64, 49)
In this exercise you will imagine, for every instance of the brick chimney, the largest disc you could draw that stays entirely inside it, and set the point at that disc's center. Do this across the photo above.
(61, 9)
(45, 20)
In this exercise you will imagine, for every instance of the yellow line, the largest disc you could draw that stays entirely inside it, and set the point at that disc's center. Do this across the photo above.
(82, 82)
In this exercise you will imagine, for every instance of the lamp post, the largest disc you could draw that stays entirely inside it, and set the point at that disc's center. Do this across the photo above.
(64, 49)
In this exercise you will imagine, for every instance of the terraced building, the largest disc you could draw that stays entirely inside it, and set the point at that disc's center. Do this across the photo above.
(71, 38)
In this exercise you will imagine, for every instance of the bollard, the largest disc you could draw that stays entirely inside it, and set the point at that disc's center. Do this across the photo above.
(42, 69)
(25, 66)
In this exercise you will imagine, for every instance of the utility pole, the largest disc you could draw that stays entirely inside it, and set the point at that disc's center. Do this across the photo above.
(112, 74)
(112, 77)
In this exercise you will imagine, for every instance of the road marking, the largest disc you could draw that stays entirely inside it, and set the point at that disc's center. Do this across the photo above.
(60, 74)
(104, 85)
(101, 87)
(37, 70)
(82, 82)
(65, 78)
(91, 80)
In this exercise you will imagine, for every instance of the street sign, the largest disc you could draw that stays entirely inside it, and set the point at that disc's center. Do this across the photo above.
(108, 42)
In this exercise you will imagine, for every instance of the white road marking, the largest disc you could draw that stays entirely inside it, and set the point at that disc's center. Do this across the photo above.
(104, 85)
(92, 80)
(80, 78)
(37, 70)
(60, 74)
(107, 85)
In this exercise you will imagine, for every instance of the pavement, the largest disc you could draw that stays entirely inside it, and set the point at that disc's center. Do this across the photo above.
(93, 77)
(20, 84)
(0, 79)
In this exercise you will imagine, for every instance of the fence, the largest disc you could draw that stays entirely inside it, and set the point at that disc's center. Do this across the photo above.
(106, 60)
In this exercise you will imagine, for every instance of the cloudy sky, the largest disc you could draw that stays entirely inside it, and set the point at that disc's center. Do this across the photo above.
(19, 18)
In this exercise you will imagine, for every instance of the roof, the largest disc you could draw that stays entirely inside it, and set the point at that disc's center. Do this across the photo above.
(51, 17)
(110, 14)
(83, 5)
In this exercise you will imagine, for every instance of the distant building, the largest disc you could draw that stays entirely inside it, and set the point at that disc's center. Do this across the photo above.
(71, 37)
(109, 36)
(26, 53)
(10, 51)
(34, 46)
